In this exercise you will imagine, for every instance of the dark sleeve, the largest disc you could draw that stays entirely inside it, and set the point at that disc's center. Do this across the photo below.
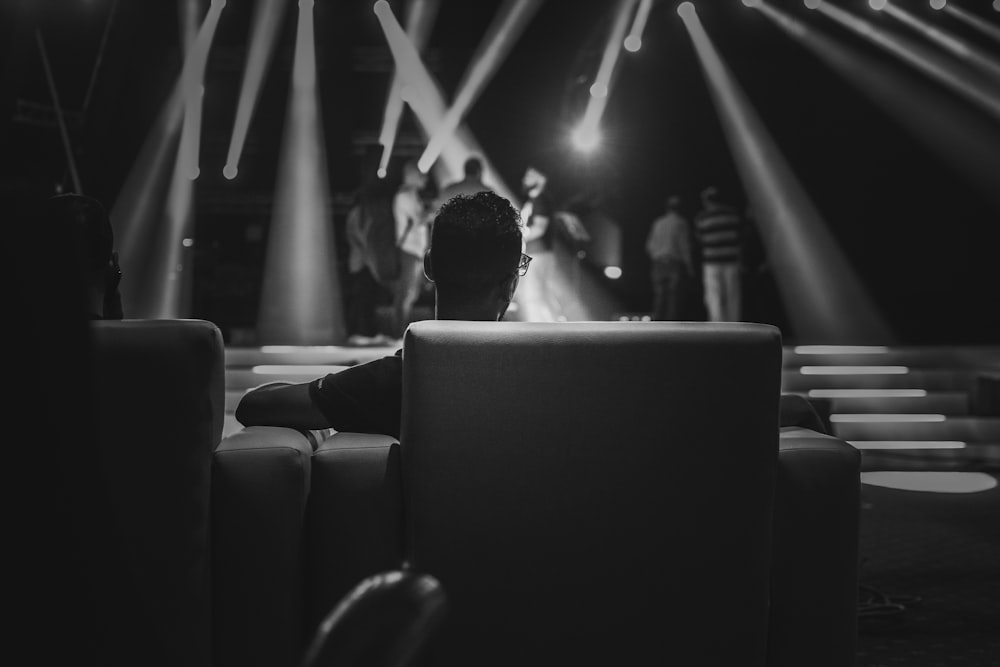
(362, 399)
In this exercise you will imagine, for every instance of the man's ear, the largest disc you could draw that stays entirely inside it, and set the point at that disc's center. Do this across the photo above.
(428, 267)
(512, 287)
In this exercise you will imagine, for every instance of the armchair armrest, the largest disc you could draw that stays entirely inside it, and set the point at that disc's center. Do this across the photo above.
(354, 521)
(260, 483)
(814, 576)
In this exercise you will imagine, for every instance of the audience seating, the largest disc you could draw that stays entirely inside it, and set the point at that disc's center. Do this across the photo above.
(597, 493)
(159, 406)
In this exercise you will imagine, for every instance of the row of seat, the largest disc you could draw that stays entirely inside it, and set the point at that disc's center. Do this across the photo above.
(585, 493)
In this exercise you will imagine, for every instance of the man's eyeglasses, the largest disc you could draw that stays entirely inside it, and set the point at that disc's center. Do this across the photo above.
(522, 267)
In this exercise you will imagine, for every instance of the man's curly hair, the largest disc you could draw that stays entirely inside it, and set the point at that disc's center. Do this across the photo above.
(475, 244)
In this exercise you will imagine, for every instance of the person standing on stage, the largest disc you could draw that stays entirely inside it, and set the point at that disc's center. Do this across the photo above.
(412, 236)
(469, 185)
(536, 219)
(719, 228)
(669, 246)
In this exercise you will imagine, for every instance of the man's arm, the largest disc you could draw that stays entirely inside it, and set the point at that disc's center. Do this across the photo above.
(280, 404)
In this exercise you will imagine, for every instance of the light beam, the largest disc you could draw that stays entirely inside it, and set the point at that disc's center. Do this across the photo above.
(507, 26)
(974, 89)
(300, 301)
(633, 42)
(587, 132)
(985, 27)
(823, 296)
(267, 20)
(946, 40)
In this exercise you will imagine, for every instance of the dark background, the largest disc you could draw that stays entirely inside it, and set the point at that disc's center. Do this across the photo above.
(923, 240)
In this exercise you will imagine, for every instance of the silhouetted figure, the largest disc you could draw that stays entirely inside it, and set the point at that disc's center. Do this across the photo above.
(475, 263)
(88, 222)
(720, 237)
(536, 301)
(368, 221)
(470, 184)
(669, 246)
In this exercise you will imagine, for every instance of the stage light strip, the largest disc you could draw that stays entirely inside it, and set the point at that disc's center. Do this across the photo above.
(633, 42)
(297, 369)
(867, 393)
(883, 418)
(854, 370)
(946, 40)
(906, 444)
(507, 26)
(974, 21)
(917, 56)
(419, 21)
(959, 134)
(267, 20)
(821, 292)
(587, 133)
(841, 349)
(300, 301)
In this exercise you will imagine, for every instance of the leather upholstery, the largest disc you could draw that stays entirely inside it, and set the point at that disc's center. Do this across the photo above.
(259, 489)
(159, 403)
(598, 493)
(593, 493)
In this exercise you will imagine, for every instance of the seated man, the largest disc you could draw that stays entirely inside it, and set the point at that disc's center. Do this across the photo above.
(474, 261)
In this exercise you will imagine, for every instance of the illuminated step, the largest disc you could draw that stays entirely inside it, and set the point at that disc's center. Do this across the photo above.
(893, 400)
(339, 356)
(875, 417)
(906, 444)
(840, 349)
(854, 370)
(931, 481)
(968, 429)
(928, 379)
(867, 393)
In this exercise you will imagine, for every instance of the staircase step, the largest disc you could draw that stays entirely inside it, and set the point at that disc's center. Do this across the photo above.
(978, 457)
(904, 401)
(966, 429)
(952, 379)
(973, 356)
(237, 357)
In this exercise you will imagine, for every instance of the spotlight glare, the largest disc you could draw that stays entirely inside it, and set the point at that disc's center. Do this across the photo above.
(632, 43)
(382, 172)
(381, 7)
(613, 272)
(877, 5)
(586, 139)
(938, 4)
(597, 90)
(685, 10)
(751, 3)
(230, 171)
(812, 4)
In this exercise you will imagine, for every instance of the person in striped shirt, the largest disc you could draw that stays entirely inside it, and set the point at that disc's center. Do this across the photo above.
(719, 231)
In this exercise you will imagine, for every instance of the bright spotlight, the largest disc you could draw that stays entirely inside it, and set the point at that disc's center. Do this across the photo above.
(812, 4)
(382, 172)
(597, 90)
(586, 139)
(685, 9)
(613, 272)
(230, 171)
(632, 43)
(751, 3)
(938, 4)
(877, 5)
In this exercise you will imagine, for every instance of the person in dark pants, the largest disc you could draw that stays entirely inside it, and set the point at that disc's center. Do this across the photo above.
(669, 247)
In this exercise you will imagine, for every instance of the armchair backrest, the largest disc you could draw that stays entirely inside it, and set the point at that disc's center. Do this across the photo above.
(160, 404)
(593, 493)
